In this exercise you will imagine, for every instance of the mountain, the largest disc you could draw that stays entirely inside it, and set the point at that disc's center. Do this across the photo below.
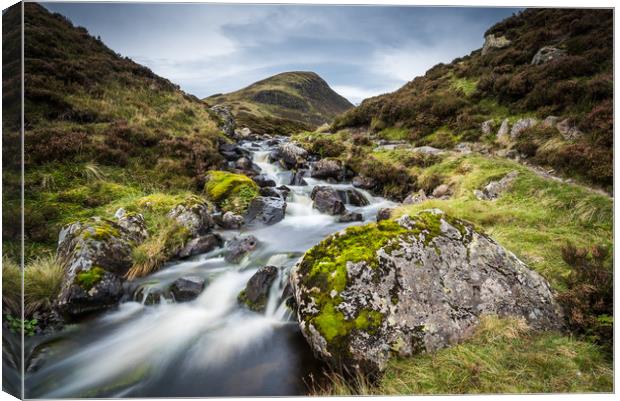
(98, 126)
(537, 63)
(286, 102)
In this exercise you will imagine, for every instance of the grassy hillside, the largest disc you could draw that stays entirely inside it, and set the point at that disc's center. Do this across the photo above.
(99, 128)
(448, 104)
(284, 103)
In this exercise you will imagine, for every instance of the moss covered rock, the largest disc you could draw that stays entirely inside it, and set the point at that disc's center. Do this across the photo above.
(401, 287)
(231, 192)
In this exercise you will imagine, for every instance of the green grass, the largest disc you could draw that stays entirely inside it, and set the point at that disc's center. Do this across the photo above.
(534, 219)
(394, 134)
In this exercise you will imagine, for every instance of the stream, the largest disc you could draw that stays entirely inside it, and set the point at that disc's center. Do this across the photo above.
(210, 346)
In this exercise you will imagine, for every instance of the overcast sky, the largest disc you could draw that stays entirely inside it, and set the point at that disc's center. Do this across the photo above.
(361, 51)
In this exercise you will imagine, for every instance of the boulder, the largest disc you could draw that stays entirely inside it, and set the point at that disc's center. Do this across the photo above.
(494, 42)
(349, 217)
(203, 244)
(327, 200)
(352, 197)
(194, 216)
(328, 168)
(487, 127)
(187, 288)
(546, 54)
(263, 180)
(384, 213)
(267, 210)
(441, 191)
(239, 247)
(133, 224)
(495, 188)
(415, 197)
(521, 125)
(363, 182)
(291, 155)
(95, 255)
(417, 284)
(256, 292)
(504, 129)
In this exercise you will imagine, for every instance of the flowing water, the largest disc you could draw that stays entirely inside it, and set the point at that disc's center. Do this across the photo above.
(207, 347)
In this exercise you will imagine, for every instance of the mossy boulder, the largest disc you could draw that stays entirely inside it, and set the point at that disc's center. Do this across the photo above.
(194, 215)
(396, 288)
(95, 255)
(231, 192)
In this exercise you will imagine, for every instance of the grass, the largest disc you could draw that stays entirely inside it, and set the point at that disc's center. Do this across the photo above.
(467, 86)
(503, 356)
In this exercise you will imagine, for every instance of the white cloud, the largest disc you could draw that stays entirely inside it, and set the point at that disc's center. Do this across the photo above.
(356, 94)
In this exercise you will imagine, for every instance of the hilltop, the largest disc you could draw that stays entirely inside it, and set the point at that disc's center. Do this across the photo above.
(539, 63)
(290, 101)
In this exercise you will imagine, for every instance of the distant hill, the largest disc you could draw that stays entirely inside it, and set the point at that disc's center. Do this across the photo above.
(294, 100)
(537, 63)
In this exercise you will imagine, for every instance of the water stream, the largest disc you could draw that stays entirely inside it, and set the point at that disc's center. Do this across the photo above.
(210, 346)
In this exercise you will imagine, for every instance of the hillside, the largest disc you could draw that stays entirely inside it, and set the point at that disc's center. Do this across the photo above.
(99, 127)
(296, 100)
(538, 63)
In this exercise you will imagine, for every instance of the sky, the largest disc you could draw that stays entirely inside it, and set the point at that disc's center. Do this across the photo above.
(361, 51)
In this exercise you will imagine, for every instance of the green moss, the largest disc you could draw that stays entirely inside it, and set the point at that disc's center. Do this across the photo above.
(257, 306)
(231, 192)
(100, 230)
(89, 278)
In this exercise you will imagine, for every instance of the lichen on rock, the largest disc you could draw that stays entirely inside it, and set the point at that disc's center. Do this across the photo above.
(416, 284)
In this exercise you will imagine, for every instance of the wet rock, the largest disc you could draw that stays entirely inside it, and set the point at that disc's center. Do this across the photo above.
(327, 200)
(441, 191)
(202, 244)
(363, 182)
(194, 216)
(267, 210)
(328, 168)
(291, 155)
(494, 42)
(423, 287)
(352, 197)
(415, 197)
(495, 188)
(546, 54)
(187, 288)
(263, 180)
(349, 217)
(244, 163)
(239, 247)
(256, 292)
(270, 192)
(521, 125)
(230, 221)
(133, 224)
(487, 127)
(384, 213)
(81, 299)
(298, 178)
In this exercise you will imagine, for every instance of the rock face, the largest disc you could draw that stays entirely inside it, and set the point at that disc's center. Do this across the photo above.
(397, 288)
(291, 155)
(227, 121)
(187, 288)
(495, 188)
(95, 255)
(327, 200)
(328, 168)
(267, 210)
(546, 54)
(494, 42)
(238, 247)
(195, 217)
(256, 292)
(521, 125)
(203, 244)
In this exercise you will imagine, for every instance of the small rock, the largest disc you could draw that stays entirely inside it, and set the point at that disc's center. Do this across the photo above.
(441, 191)
(239, 247)
(495, 188)
(203, 244)
(243, 133)
(327, 200)
(502, 133)
(546, 54)
(415, 197)
(550, 122)
(363, 182)
(231, 220)
(521, 125)
(487, 127)
(195, 217)
(352, 197)
(429, 150)
(384, 214)
(328, 168)
(298, 178)
(291, 155)
(569, 132)
(263, 180)
(349, 217)
(187, 288)
(256, 293)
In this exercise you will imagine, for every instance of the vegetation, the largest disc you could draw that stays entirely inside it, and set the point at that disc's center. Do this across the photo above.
(503, 356)
(231, 192)
(284, 103)
(503, 83)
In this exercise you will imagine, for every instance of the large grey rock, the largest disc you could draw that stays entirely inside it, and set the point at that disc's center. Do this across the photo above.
(239, 247)
(327, 200)
(267, 210)
(494, 42)
(203, 244)
(95, 255)
(546, 54)
(495, 188)
(328, 168)
(194, 216)
(291, 155)
(187, 288)
(422, 288)
(521, 125)
(256, 292)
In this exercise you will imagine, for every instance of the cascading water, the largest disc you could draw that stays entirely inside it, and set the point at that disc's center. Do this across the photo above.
(207, 347)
